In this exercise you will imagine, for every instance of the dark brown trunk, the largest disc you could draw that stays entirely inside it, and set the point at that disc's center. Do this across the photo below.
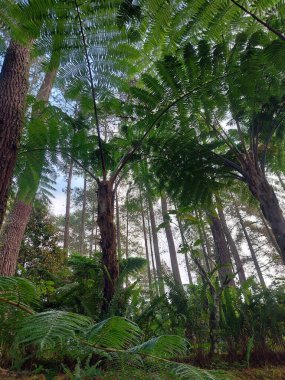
(92, 229)
(156, 248)
(170, 242)
(83, 216)
(67, 208)
(250, 246)
(146, 247)
(233, 248)
(269, 204)
(223, 258)
(184, 242)
(106, 199)
(270, 235)
(13, 93)
(12, 237)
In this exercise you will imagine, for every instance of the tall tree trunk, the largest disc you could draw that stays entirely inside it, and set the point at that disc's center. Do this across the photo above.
(151, 253)
(223, 257)
(92, 229)
(170, 242)
(269, 204)
(203, 238)
(214, 322)
(12, 238)
(13, 93)
(146, 247)
(156, 247)
(67, 208)
(233, 248)
(106, 200)
(270, 235)
(184, 242)
(13, 231)
(251, 249)
(83, 217)
(118, 225)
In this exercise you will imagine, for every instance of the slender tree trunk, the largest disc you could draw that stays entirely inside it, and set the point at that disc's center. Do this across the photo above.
(203, 238)
(214, 323)
(118, 227)
(92, 229)
(170, 242)
(83, 217)
(223, 258)
(13, 93)
(67, 208)
(184, 242)
(233, 248)
(251, 249)
(106, 200)
(281, 180)
(146, 247)
(13, 231)
(156, 247)
(269, 204)
(151, 253)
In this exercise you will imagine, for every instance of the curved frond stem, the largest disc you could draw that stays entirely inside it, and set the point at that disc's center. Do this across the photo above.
(263, 23)
(103, 163)
(17, 305)
(77, 162)
(131, 152)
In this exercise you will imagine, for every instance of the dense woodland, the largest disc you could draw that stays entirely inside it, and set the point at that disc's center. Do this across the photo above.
(163, 121)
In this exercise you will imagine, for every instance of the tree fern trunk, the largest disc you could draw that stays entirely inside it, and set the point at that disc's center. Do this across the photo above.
(269, 204)
(223, 258)
(106, 199)
(12, 237)
(151, 253)
(13, 92)
(67, 208)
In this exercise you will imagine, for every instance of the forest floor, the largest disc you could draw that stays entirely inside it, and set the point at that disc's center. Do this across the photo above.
(265, 373)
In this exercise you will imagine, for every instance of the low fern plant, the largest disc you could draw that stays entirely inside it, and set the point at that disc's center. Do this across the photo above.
(115, 342)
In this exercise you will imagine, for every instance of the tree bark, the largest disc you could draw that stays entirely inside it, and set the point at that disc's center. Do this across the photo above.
(156, 247)
(251, 249)
(83, 217)
(151, 253)
(184, 242)
(170, 242)
(233, 248)
(146, 247)
(13, 93)
(67, 208)
(223, 258)
(106, 200)
(23, 203)
(118, 225)
(12, 237)
(269, 204)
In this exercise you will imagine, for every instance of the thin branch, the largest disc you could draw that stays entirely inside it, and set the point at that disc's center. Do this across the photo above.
(104, 171)
(126, 157)
(256, 18)
(18, 305)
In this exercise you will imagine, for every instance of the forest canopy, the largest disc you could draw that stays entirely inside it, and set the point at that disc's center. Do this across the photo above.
(163, 124)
